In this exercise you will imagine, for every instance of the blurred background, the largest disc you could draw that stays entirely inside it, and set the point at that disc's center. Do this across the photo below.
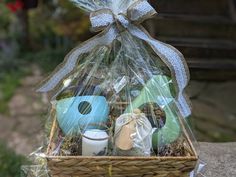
(35, 35)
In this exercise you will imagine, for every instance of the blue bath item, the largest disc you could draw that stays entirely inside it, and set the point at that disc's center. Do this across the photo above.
(79, 112)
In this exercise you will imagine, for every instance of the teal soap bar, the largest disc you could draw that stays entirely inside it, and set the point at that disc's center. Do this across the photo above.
(79, 112)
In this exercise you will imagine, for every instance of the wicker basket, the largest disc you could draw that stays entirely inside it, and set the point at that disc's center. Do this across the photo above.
(118, 166)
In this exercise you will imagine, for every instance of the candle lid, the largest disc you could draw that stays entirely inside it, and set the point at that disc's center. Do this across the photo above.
(96, 134)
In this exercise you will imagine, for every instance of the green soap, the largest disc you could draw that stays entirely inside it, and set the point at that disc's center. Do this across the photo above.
(169, 133)
(157, 90)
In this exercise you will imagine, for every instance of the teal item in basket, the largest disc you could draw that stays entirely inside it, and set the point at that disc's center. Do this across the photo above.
(79, 112)
(157, 90)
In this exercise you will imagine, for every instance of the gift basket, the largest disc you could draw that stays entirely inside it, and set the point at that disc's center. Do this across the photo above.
(118, 106)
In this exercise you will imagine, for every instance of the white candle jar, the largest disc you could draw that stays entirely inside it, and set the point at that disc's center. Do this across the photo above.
(95, 143)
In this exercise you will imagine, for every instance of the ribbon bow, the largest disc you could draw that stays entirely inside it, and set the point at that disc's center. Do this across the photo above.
(136, 13)
(111, 24)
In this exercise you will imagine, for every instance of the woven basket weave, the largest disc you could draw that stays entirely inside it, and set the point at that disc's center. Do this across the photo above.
(121, 166)
(118, 166)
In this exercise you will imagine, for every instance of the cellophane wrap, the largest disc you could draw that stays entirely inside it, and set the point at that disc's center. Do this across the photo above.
(120, 93)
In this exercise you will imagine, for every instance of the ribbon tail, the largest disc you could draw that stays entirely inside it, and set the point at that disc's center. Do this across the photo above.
(104, 38)
(183, 104)
(175, 62)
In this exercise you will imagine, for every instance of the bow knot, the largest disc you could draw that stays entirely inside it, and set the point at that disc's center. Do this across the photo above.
(136, 13)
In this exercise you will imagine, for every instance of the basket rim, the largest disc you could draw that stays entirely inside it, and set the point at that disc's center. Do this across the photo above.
(194, 158)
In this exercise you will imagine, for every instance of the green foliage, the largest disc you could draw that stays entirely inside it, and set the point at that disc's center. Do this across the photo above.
(9, 83)
(5, 19)
(47, 59)
(54, 27)
(51, 23)
(12, 70)
(58, 19)
(10, 162)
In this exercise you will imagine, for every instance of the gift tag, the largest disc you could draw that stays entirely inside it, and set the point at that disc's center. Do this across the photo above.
(124, 140)
(121, 84)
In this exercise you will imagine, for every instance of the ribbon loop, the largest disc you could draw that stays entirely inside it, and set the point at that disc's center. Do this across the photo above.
(101, 19)
(140, 11)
